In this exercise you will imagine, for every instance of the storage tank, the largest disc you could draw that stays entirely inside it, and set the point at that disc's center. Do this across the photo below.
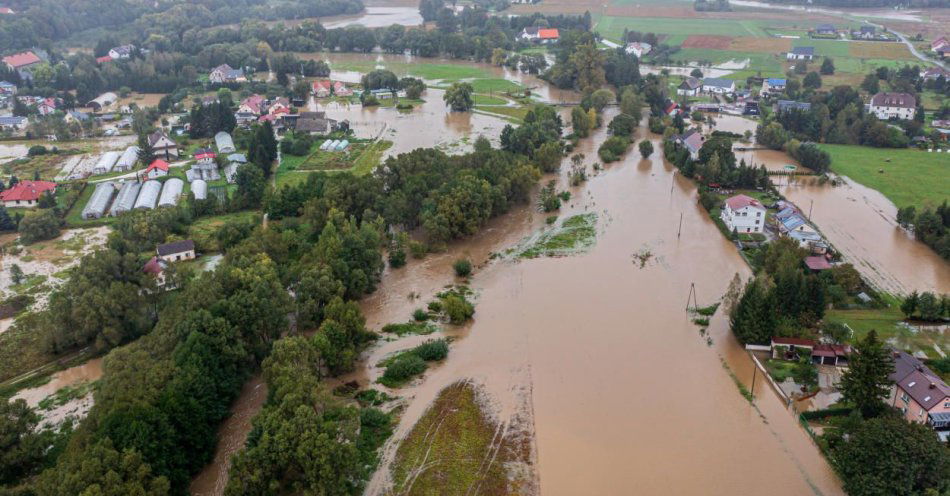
(170, 192)
(148, 196)
(125, 201)
(200, 188)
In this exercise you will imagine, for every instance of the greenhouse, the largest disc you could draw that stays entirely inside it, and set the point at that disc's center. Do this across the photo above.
(126, 199)
(170, 192)
(128, 159)
(96, 206)
(105, 163)
(224, 142)
(200, 188)
(148, 195)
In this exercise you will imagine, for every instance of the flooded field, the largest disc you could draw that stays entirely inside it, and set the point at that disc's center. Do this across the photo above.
(377, 17)
(860, 222)
(76, 405)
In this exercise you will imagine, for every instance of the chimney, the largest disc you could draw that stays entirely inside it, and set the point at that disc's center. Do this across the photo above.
(933, 385)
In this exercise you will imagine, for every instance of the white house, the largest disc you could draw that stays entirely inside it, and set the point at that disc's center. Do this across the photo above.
(157, 169)
(176, 251)
(893, 105)
(638, 48)
(226, 74)
(121, 52)
(163, 145)
(721, 86)
(773, 85)
(743, 214)
(801, 53)
(26, 193)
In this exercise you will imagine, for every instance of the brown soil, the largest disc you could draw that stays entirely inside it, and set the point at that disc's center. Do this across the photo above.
(765, 45)
(880, 50)
(707, 41)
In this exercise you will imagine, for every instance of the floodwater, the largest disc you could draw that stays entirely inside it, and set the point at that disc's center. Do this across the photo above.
(377, 17)
(86, 372)
(623, 389)
(861, 223)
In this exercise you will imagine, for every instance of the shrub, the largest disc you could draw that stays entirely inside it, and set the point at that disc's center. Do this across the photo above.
(36, 150)
(611, 149)
(420, 315)
(39, 227)
(402, 369)
(457, 309)
(432, 350)
(463, 267)
(397, 257)
(418, 249)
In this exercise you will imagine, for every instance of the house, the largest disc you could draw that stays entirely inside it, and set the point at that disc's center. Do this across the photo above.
(811, 241)
(322, 88)
(865, 33)
(47, 106)
(817, 263)
(539, 35)
(720, 86)
(825, 30)
(7, 88)
(931, 74)
(893, 105)
(743, 214)
(103, 59)
(830, 354)
(22, 60)
(163, 145)
(205, 155)
(26, 193)
(340, 89)
(224, 143)
(787, 105)
(943, 51)
(253, 104)
(314, 123)
(773, 85)
(689, 87)
(226, 74)
(121, 52)
(176, 251)
(76, 116)
(939, 43)
(156, 267)
(279, 105)
(692, 141)
(794, 222)
(13, 123)
(102, 101)
(6, 11)
(638, 48)
(801, 53)
(920, 394)
(157, 169)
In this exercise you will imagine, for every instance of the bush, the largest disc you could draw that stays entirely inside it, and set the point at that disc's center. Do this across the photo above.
(39, 227)
(432, 350)
(36, 150)
(613, 148)
(420, 315)
(463, 267)
(397, 257)
(457, 309)
(402, 369)
(418, 249)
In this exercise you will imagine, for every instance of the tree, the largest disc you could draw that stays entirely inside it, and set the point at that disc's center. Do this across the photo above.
(696, 73)
(39, 227)
(646, 148)
(21, 446)
(548, 156)
(580, 122)
(600, 98)
(929, 306)
(909, 305)
(16, 274)
(866, 384)
(631, 103)
(871, 84)
(250, 186)
(102, 470)
(6, 222)
(459, 97)
(894, 457)
(589, 63)
(772, 135)
(812, 80)
(753, 320)
(827, 67)
(379, 79)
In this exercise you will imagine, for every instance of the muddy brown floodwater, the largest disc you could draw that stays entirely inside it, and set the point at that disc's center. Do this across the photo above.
(623, 390)
(86, 372)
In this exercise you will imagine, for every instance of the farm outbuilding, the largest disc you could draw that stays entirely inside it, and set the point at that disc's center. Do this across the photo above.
(170, 192)
(105, 163)
(200, 188)
(102, 101)
(128, 159)
(97, 204)
(224, 142)
(148, 196)
(125, 201)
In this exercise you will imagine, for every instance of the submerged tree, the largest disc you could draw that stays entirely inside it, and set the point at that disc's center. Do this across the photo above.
(866, 384)
(459, 97)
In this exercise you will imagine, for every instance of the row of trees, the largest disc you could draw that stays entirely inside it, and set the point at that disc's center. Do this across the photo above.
(931, 226)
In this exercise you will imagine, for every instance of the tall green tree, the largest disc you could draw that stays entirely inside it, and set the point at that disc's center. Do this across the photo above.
(866, 383)
(460, 96)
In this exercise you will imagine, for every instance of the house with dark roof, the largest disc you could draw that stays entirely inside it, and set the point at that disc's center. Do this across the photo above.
(226, 74)
(825, 30)
(176, 251)
(26, 193)
(930, 74)
(163, 145)
(314, 123)
(801, 53)
(721, 86)
(920, 394)
(893, 106)
(692, 141)
(689, 87)
(787, 105)
(121, 52)
(13, 123)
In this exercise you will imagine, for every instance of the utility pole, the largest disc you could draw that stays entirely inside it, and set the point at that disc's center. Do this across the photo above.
(810, 204)
(692, 294)
(680, 230)
(755, 370)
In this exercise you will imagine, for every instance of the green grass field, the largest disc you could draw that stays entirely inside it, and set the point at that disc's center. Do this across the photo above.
(612, 27)
(910, 177)
(825, 48)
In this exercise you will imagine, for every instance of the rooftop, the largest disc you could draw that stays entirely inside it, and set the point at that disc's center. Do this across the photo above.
(719, 82)
(817, 263)
(901, 100)
(739, 202)
(27, 191)
(175, 247)
(22, 59)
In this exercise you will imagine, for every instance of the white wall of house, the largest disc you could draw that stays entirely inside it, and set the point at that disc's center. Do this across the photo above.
(20, 203)
(885, 113)
(748, 219)
(174, 257)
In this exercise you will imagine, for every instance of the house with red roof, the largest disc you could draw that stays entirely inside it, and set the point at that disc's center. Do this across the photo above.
(253, 104)
(22, 60)
(322, 88)
(6, 11)
(157, 169)
(103, 59)
(743, 214)
(939, 43)
(817, 263)
(340, 89)
(539, 35)
(26, 193)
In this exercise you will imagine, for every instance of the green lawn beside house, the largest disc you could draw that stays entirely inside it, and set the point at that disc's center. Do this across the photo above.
(905, 176)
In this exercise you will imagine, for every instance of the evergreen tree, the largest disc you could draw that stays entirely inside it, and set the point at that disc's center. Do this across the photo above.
(827, 67)
(6, 222)
(909, 305)
(146, 150)
(866, 383)
(753, 320)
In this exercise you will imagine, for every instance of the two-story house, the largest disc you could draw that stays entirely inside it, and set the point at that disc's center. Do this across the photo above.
(893, 105)
(920, 394)
(743, 214)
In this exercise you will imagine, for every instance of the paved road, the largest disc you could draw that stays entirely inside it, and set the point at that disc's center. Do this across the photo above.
(917, 54)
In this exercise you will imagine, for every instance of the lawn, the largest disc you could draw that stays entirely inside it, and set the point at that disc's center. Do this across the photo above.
(825, 48)
(612, 27)
(74, 216)
(514, 114)
(489, 100)
(887, 323)
(204, 229)
(904, 176)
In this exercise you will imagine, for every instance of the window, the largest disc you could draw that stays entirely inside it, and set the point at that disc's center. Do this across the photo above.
(921, 414)
(905, 398)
